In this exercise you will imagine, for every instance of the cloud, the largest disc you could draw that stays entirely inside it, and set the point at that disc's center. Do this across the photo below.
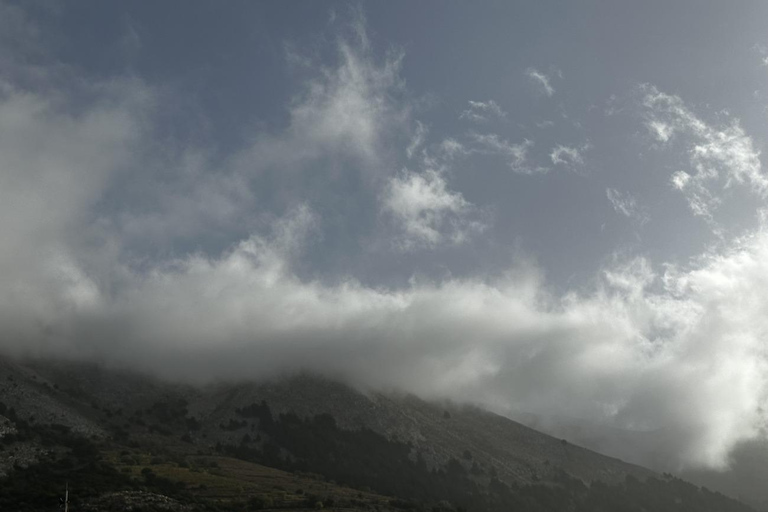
(662, 131)
(763, 51)
(541, 80)
(347, 112)
(59, 160)
(568, 156)
(481, 112)
(344, 123)
(426, 213)
(516, 154)
(720, 157)
(451, 147)
(685, 361)
(680, 179)
(441, 156)
(626, 204)
(417, 140)
(429, 213)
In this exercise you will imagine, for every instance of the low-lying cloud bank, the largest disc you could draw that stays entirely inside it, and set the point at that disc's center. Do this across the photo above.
(681, 352)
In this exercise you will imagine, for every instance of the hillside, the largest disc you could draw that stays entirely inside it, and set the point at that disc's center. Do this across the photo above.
(744, 478)
(295, 443)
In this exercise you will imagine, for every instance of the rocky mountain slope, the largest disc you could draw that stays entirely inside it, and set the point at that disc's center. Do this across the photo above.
(151, 437)
(438, 431)
(74, 395)
(744, 478)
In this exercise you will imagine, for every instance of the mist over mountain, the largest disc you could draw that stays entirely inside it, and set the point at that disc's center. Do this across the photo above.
(123, 439)
(747, 469)
(545, 210)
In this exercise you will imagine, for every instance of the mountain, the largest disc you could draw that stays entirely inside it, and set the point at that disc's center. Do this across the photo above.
(744, 478)
(302, 441)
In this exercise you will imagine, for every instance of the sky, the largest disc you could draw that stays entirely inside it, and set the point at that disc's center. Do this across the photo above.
(542, 207)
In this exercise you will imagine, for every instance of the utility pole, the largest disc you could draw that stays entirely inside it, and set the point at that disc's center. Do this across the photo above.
(64, 504)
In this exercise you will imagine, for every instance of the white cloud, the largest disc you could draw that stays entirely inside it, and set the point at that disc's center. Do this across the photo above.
(346, 112)
(426, 213)
(763, 51)
(680, 179)
(417, 140)
(58, 161)
(482, 111)
(541, 80)
(349, 108)
(344, 121)
(720, 157)
(662, 131)
(516, 154)
(429, 213)
(568, 156)
(451, 148)
(626, 204)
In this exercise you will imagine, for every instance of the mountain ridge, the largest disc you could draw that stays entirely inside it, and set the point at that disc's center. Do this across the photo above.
(390, 442)
(520, 452)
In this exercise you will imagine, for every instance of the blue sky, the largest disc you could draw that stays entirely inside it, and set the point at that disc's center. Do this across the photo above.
(550, 207)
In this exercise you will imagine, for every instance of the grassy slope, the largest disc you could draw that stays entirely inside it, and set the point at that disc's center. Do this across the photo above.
(230, 481)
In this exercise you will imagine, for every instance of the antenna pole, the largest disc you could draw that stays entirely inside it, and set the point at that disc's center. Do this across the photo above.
(66, 498)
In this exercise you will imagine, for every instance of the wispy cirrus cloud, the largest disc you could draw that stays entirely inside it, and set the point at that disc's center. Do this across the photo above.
(417, 140)
(569, 156)
(626, 204)
(516, 154)
(347, 113)
(541, 80)
(482, 111)
(720, 156)
(347, 110)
